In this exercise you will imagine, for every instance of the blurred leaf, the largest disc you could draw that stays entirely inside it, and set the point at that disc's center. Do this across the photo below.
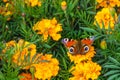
(114, 61)
(112, 66)
(89, 30)
(1, 76)
(112, 72)
(112, 77)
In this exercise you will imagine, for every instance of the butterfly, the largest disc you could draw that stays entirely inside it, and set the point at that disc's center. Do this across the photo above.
(78, 46)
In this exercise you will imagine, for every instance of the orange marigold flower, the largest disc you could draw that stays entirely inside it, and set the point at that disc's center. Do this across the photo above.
(85, 70)
(23, 53)
(79, 58)
(107, 17)
(47, 67)
(11, 43)
(5, 1)
(48, 28)
(26, 76)
(33, 3)
(108, 3)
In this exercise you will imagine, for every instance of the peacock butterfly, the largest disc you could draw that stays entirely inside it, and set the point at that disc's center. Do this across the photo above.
(78, 46)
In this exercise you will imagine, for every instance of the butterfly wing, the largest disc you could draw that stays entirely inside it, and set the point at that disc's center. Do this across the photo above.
(86, 43)
(78, 47)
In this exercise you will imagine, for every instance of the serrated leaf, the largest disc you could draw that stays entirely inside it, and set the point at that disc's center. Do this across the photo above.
(111, 72)
(112, 77)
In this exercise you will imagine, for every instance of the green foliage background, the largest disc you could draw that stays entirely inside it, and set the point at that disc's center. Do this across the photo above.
(77, 23)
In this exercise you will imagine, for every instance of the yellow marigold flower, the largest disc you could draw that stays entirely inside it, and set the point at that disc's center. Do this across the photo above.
(99, 1)
(106, 17)
(80, 77)
(26, 76)
(108, 3)
(11, 43)
(7, 10)
(85, 71)
(47, 67)
(8, 13)
(23, 51)
(47, 28)
(63, 5)
(33, 3)
(7, 5)
(79, 58)
(39, 3)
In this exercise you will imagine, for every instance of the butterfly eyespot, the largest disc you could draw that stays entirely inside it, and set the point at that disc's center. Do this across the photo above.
(92, 38)
(86, 48)
(71, 50)
(66, 40)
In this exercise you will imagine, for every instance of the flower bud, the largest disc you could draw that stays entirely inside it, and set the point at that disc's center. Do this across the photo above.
(32, 69)
(112, 12)
(103, 44)
(63, 5)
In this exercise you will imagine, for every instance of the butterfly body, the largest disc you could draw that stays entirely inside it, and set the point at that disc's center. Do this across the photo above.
(78, 46)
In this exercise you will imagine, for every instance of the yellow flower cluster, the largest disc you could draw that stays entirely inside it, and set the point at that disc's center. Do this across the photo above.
(33, 3)
(85, 71)
(84, 68)
(107, 17)
(46, 68)
(7, 10)
(23, 53)
(47, 28)
(108, 3)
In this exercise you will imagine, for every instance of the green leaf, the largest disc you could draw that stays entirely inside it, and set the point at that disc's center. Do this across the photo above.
(113, 60)
(112, 66)
(47, 46)
(72, 5)
(89, 29)
(118, 78)
(64, 63)
(111, 72)
(112, 77)
(1, 76)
